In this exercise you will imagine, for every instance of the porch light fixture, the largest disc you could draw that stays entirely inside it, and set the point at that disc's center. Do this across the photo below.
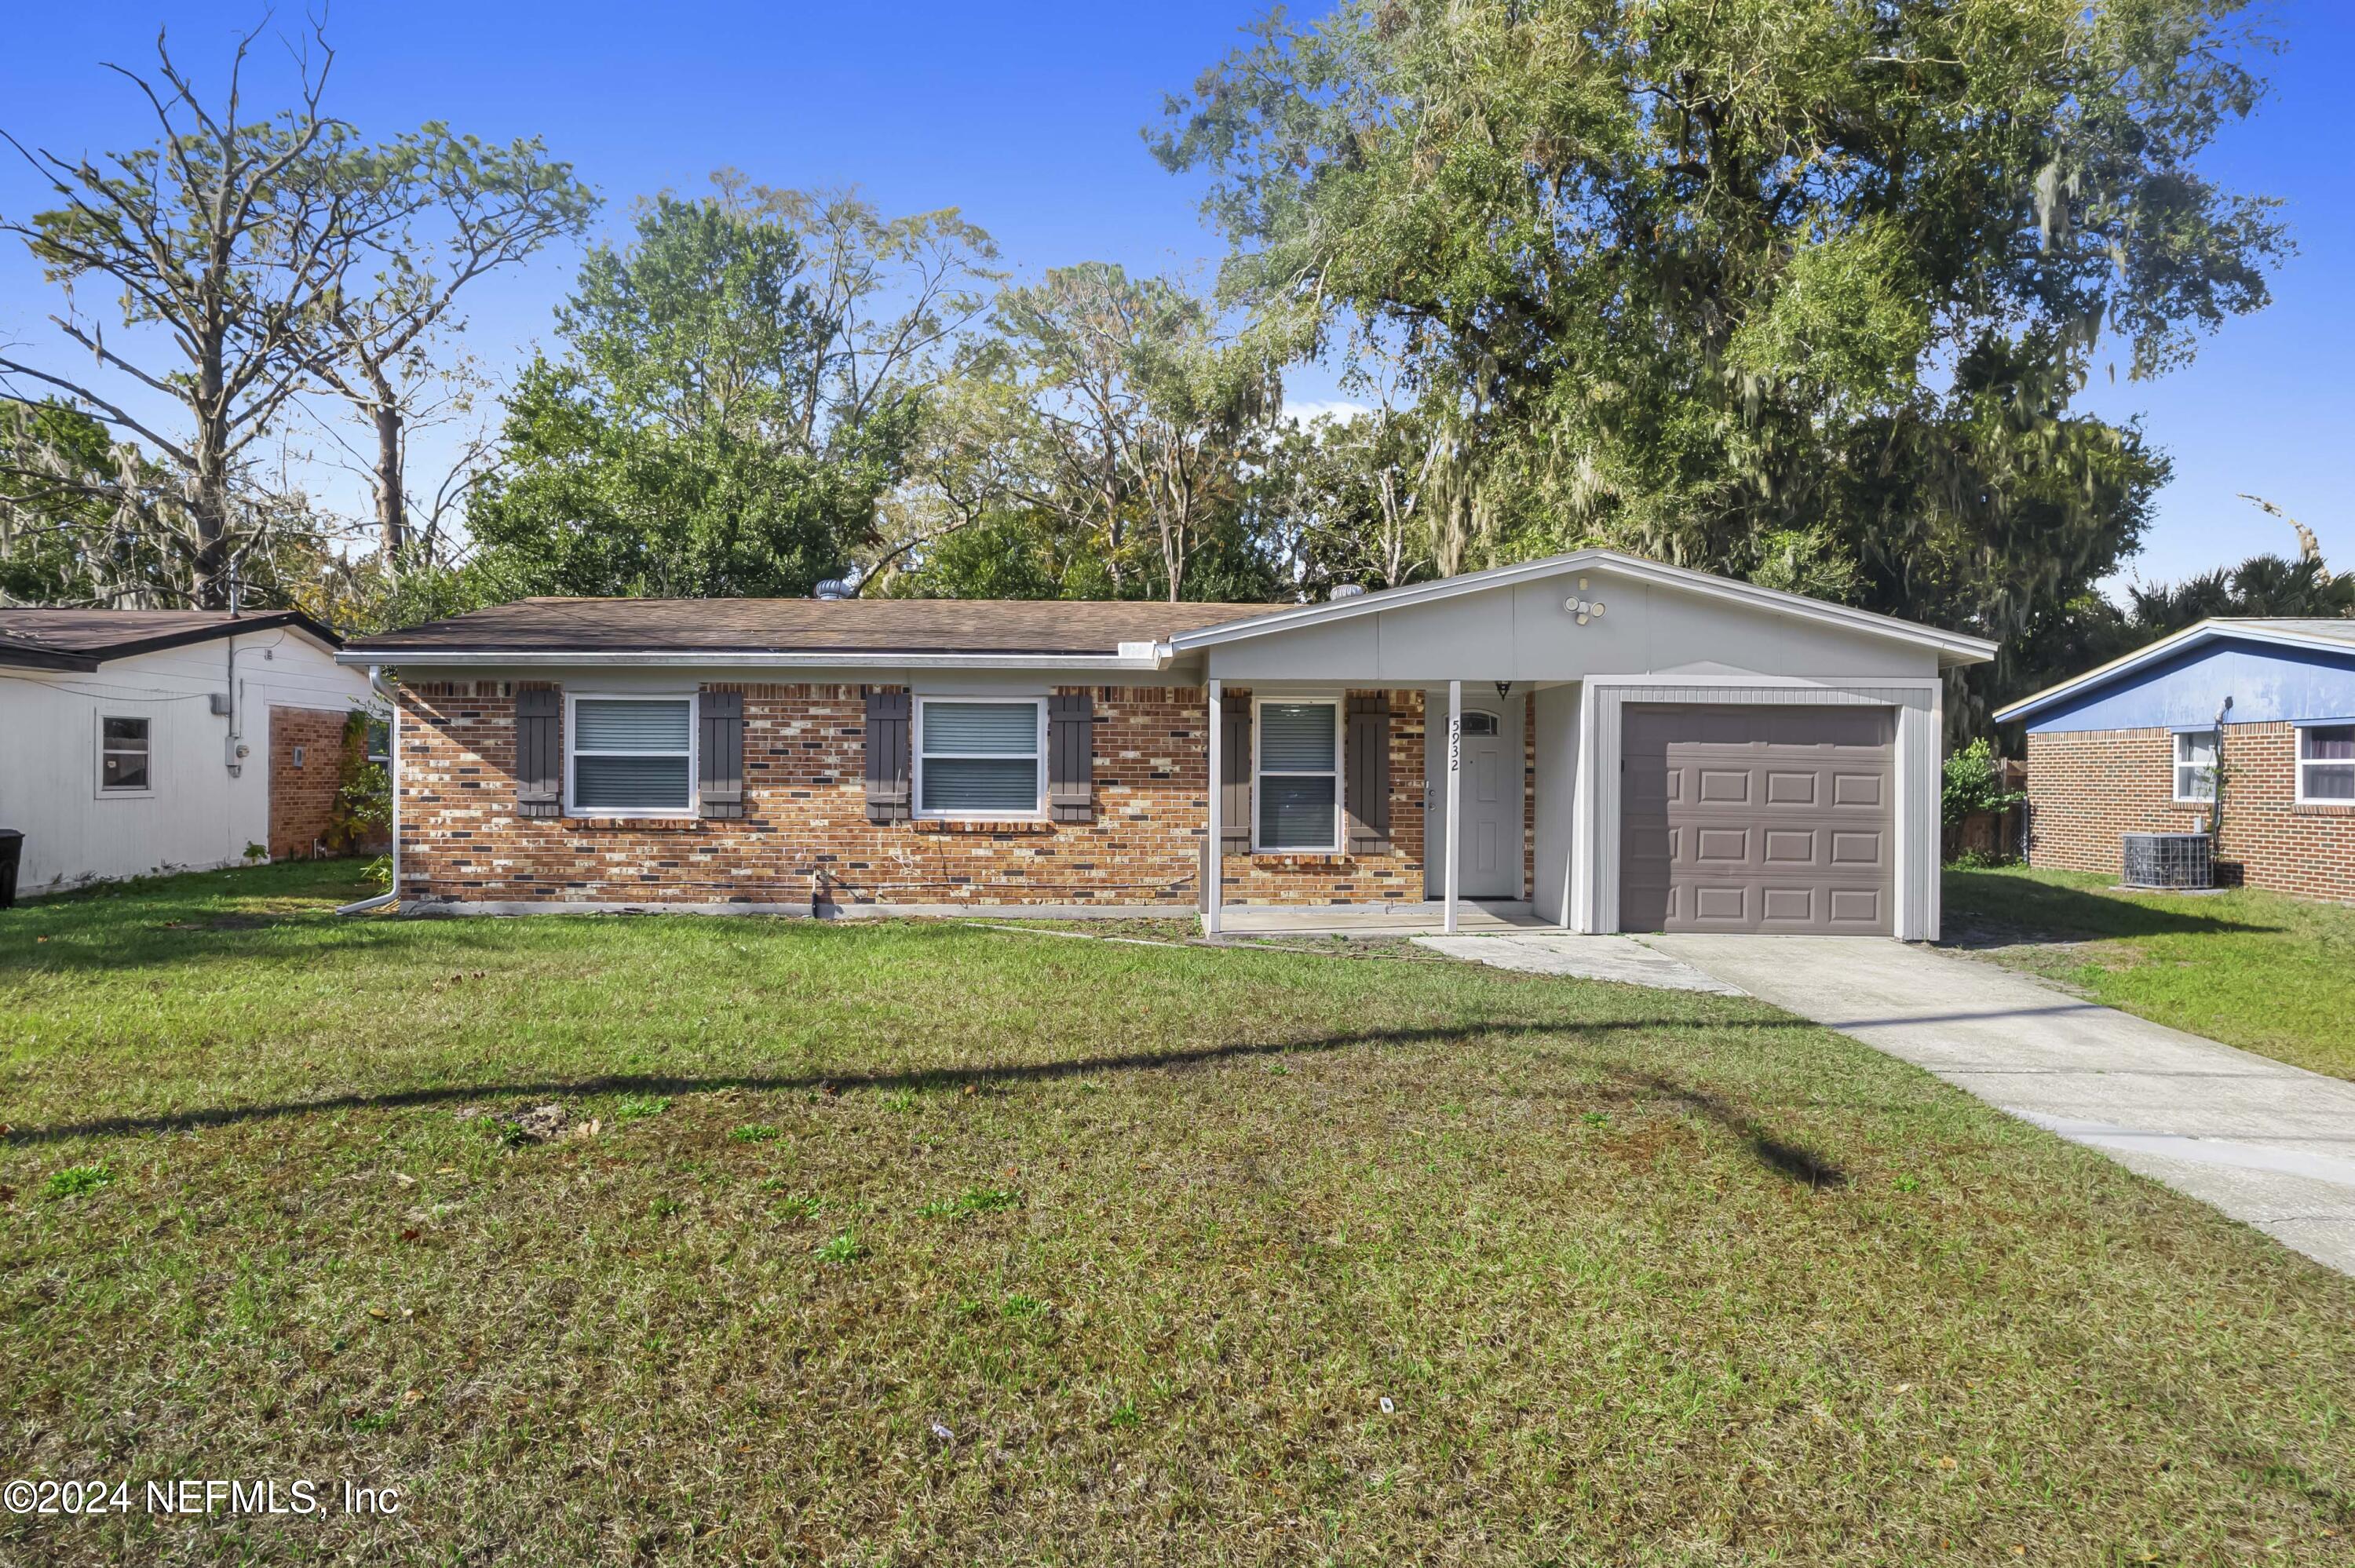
(1585, 609)
(1503, 690)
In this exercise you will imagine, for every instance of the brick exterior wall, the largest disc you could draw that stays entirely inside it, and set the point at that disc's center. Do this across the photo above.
(303, 796)
(1393, 878)
(805, 835)
(2087, 788)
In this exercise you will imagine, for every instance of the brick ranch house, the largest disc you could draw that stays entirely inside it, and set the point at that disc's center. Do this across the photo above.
(1603, 741)
(2134, 746)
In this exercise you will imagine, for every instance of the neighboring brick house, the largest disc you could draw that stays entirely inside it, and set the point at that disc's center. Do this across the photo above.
(2135, 747)
(842, 756)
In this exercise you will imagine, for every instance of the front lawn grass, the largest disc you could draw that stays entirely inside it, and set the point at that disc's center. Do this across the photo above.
(2269, 974)
(922, 1243)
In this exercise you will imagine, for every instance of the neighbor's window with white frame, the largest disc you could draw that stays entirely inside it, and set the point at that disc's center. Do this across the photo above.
(631, 756)
(1298, 799)
(125, 758)
(2326, 765)
(2195, 766)
(980, 757)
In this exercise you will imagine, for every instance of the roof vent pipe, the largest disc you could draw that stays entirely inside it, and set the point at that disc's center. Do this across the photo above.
(834, 588)
(1346, 591)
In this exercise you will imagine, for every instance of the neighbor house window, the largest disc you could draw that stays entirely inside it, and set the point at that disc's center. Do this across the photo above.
(2326, 765)
(123, 758)
(1299, 794)
(980, 759)
(2195, 766)
(632, 757)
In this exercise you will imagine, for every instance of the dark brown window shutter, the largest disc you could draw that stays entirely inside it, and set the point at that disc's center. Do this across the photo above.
(887, 756)
(1365, 774)
(1235, 774)
(1071, 758)
(720, 753)
(539, 752)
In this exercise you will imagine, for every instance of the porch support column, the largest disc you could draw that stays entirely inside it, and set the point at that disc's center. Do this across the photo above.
(1214, 859)
(1454, 797)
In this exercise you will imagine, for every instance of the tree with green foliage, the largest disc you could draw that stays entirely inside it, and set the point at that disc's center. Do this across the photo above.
(62, 538)
(450, 210)
(226, 239)
(736, 399)
(1143, 413)
(1753, 285)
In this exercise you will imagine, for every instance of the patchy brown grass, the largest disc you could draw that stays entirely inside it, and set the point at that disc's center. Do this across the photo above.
(925, 1243)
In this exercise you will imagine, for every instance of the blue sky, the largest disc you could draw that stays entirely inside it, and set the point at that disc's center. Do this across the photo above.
(1026, 116)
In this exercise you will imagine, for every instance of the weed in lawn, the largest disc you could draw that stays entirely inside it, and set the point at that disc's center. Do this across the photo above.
(796, 1208)
(756, 1132)
(1018, 1305)
(637, 1107)
(972, 1201)
(75, 1179)
(844, 1248)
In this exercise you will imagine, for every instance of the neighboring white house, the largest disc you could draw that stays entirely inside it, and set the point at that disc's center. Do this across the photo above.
(141, 741)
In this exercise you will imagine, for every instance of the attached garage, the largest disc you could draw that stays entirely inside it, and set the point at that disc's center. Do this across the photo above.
(1611, 744)
(1758, 818)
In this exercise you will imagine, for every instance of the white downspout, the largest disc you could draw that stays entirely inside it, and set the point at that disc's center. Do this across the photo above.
(1215, 876)
(376, 684)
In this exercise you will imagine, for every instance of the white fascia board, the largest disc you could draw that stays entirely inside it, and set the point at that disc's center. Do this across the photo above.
(1962, 649)
(1078, 664)
(2199, 631)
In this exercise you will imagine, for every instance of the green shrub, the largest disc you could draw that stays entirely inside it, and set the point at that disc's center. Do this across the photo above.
(1972, 784)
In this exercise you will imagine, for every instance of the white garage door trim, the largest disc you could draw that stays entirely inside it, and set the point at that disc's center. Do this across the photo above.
(1595, 857)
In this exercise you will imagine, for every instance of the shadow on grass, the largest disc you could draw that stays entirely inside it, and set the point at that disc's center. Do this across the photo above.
(926, 1078)
(1786, 1160)
(1994, 910)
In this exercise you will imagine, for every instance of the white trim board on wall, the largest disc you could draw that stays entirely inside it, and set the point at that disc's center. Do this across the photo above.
(1917, 700)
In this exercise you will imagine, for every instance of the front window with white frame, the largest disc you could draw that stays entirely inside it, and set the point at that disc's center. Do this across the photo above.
(1297, 803)
(2326, 765)
(125, 756)
(2195, 766)
(980, 759)
(631, 756)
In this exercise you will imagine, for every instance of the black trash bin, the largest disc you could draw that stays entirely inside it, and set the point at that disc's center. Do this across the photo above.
(12, 850)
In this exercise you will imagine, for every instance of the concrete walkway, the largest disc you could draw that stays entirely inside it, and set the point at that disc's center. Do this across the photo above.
(2269, 1144)
(1555, 951)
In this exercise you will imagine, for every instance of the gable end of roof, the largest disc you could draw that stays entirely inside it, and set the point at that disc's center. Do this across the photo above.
(2336, 637)
(1954, 647)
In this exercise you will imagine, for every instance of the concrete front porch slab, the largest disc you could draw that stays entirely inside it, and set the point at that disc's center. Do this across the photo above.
(1559, 953)
(1372, 919)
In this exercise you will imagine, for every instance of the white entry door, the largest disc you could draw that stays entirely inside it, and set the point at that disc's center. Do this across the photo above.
(1491, 833)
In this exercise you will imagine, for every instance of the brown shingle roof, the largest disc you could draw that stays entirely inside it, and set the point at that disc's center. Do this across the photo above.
(83, 638)
(977, 625)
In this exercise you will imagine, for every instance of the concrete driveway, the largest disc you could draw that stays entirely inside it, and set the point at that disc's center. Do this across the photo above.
(2270, 1144)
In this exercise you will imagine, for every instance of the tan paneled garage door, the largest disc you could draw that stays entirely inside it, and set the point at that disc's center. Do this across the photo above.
(1757, 818)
